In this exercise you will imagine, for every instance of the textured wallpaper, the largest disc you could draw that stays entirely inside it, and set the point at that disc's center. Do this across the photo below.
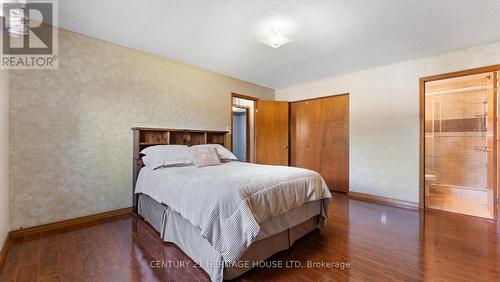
(4, 155)
(70, 137)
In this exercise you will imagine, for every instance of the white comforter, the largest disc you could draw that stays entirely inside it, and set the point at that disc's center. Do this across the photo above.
(227, 202)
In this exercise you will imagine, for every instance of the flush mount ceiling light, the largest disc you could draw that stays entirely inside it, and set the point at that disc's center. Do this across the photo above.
(275, 39)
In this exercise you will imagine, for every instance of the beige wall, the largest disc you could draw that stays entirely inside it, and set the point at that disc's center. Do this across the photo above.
(71, 143)
(384, 117)
(4, 156)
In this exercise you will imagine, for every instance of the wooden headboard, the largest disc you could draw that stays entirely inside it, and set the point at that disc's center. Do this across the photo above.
(145, 137)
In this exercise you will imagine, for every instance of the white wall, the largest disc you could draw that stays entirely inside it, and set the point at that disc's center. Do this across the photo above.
(384, 117)
(4, 156)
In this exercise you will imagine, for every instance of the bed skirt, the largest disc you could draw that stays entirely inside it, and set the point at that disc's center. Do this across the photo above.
(277, 234)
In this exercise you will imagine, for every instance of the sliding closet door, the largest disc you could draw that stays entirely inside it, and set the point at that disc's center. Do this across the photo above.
(271, 132)
(303, 134)
(332, 141)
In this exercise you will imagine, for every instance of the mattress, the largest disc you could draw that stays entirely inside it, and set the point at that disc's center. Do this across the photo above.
(230, 203)
(276, 234)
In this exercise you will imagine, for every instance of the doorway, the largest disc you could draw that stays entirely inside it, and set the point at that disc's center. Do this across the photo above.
(242, 127)
(460, 148)
(241, 133)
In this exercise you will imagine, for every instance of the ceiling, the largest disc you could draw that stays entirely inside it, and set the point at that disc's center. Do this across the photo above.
(328, 37)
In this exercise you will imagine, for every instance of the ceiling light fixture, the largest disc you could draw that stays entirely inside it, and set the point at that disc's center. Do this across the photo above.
(275, 39)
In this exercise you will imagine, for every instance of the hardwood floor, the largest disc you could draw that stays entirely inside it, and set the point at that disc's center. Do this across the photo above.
(381, 243)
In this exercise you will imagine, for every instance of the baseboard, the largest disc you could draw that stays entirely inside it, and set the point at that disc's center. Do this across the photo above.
(383, 200)
(4, 250)
(69, 222)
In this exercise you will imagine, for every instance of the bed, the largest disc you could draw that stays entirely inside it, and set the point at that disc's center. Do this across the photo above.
(230, 216)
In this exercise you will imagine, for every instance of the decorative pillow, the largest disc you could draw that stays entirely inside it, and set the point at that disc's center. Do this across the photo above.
(166, 155)
(205, 156)
(223, 152)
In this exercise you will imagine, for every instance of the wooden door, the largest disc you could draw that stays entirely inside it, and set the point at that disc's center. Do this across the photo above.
(332, 141)
(271, 132)
(303, 134)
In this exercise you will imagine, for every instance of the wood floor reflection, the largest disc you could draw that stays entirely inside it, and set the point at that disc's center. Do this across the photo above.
(381, 243)
(459, 200)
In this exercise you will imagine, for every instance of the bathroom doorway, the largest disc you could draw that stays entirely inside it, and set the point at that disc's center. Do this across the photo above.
(460, 147)
(241, 133)
(242, 127)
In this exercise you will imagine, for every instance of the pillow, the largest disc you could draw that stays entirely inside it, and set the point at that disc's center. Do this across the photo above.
(205, 156)
(223, 152)
(166, 155)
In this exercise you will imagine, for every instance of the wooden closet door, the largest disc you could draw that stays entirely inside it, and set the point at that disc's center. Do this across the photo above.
(303, 134)
(271, 132)
(332, 141)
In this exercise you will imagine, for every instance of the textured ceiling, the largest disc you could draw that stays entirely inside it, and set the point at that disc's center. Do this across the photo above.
(328, 37)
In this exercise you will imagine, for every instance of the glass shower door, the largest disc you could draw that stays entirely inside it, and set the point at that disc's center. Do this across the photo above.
(459, 147)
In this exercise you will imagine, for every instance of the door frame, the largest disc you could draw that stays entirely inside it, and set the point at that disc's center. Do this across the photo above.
(423, 80)
(247, 139)
(231, 105)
